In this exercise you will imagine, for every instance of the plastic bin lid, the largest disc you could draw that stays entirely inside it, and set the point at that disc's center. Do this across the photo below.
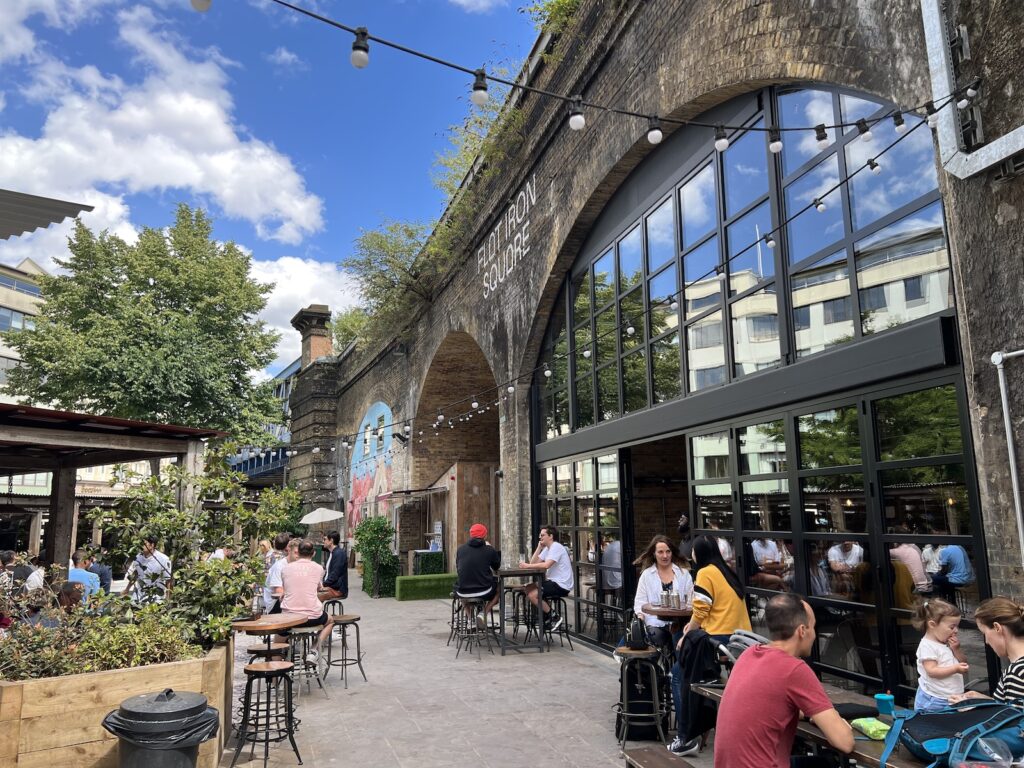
(163, 706)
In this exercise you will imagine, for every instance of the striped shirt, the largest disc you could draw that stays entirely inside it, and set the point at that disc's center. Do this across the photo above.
(717, 609)
(1010, 687)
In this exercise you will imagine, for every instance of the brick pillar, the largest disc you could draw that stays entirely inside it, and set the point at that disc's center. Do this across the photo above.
(311, 322)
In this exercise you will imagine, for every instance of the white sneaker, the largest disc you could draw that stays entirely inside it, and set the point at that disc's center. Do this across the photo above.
(481, 621)
(312, 657)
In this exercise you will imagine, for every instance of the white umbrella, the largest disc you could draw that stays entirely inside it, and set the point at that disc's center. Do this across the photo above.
(321, 515)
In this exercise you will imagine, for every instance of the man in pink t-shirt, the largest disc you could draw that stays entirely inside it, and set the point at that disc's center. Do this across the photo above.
(301, 581)
(768, 690)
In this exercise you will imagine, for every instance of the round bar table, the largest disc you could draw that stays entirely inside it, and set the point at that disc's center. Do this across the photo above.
(269, 624)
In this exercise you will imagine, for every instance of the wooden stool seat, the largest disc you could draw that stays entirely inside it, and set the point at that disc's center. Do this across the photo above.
(639, 653)
(346, 618)
(268, 667)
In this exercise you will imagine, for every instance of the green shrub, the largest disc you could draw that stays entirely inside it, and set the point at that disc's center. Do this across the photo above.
(426, 587)
(374, 537)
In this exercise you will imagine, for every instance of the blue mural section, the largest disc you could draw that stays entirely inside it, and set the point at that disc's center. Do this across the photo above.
(370, 462)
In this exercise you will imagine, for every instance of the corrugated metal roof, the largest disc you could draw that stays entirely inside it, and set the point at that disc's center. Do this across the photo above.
(21, 213)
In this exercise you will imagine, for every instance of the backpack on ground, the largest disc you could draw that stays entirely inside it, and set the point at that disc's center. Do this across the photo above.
(948, 737)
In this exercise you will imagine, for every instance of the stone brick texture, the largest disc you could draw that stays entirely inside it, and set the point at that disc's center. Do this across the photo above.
(679, 58)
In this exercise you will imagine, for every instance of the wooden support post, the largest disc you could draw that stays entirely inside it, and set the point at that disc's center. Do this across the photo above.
(35, 533)
(192, 463)
(63, 516)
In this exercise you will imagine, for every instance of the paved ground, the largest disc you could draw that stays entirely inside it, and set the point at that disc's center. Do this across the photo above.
(423, 708)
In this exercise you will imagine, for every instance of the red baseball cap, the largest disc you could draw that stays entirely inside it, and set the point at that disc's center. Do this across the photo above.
(478, 531)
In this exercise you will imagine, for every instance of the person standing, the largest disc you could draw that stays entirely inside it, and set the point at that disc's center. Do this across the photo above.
(475, 563)
(80, 574)
(550, 556)
(149, 576)
(768, 691)
(335, 584)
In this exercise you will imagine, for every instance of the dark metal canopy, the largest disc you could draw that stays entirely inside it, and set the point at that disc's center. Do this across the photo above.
(21, 213)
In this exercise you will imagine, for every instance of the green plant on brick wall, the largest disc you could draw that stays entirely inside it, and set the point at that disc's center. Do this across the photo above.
(373, 540)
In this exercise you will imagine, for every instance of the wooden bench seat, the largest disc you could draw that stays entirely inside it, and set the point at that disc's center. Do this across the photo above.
(654, 757)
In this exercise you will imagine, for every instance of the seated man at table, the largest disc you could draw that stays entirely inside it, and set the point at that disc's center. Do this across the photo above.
(300, 581)
(285, 551)
(769, 690)
(550, 556)
(80, 574)
(335, 584)
(475, 562)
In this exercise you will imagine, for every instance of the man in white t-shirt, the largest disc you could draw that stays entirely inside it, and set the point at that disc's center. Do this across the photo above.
(844, 557)
(552, 557)
(149, 576)
(285, 549)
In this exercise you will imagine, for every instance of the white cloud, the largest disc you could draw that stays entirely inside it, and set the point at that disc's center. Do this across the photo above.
(478, 6)
(298, 283)
(285, 59)
(17, 41)
(173, 129)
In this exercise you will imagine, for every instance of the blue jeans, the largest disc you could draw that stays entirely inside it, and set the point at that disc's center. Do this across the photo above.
(677, 682)
(924, 702)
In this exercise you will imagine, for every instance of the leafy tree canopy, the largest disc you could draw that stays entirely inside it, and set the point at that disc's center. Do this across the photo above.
(165, 329)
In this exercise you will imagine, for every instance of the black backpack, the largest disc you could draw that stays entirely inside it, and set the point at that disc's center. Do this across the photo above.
(636, 635)
(948, 737)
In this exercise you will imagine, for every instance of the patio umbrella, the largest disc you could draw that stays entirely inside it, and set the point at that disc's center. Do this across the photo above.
(321, 515)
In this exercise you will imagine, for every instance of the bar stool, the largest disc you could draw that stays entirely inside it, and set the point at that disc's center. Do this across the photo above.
(458, 616)
(272, 721)
(558, 605)
(261, 651)
(640, 670)
(343, 622)
(520, 608)
(307, 664)
(470, 632)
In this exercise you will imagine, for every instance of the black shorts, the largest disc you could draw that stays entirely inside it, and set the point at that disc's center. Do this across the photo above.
(550, 589)
(486, 596)
(317, 622)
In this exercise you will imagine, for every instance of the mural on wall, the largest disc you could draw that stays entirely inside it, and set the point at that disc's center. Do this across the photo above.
(370, 468)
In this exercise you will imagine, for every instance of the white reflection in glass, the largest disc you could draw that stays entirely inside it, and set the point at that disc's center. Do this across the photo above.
(801, 109)
(813, 230)
(697, 204)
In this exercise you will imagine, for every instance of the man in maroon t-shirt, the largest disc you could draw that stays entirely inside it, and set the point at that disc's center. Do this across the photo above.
(768, 690)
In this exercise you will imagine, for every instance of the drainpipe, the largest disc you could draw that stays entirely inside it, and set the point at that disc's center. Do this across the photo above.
(998, 360)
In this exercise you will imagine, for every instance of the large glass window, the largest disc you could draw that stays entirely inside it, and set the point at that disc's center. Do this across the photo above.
(727, 258)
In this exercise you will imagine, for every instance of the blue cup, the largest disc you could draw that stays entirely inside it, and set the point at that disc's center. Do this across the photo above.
(885, 703)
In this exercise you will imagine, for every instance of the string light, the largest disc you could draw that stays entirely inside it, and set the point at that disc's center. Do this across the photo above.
(630, 330)
(874, 166)
(898, 123)
(774, 140)
(721, 138)
(864, 130)
(547, 372)
(933, 114)
(963, 103)
(654, 132)
(819, 205)
(476, 404)
(972, 89)
(769, 240)
(360, 55)
(586, 353)
(822, 136)
(576, 119)
(479, 96)
(510, 389)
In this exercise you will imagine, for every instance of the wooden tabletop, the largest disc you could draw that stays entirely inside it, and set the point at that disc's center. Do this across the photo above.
(269, 622)
(865, 752)
(663, 612)
(508, 572)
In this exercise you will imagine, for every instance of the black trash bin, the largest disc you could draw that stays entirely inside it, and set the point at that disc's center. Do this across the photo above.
(162, 730)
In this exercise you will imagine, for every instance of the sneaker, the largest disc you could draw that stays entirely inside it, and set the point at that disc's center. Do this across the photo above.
(312, 658)
(481, 622)
(684, 748)
(555, 622)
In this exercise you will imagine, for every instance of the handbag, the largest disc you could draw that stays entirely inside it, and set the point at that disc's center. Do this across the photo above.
(636, 635)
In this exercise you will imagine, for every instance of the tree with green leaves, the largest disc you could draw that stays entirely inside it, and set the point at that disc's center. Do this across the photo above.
(165, 329)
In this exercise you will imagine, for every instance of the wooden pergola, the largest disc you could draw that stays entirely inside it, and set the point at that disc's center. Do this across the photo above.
(61, 442)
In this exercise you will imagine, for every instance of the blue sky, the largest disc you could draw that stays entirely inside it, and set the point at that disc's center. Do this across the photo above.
(250, 111)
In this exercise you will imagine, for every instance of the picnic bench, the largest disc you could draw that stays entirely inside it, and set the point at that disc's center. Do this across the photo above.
(654, 757)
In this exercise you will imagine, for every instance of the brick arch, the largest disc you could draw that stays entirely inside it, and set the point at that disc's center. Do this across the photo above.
(457, 370)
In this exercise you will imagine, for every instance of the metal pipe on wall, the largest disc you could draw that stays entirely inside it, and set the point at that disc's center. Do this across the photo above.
(998, 360)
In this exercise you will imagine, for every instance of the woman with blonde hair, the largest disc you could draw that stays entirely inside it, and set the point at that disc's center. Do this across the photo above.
(1001, 621)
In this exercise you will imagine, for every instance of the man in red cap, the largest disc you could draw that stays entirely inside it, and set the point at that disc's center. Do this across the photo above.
(475, 562)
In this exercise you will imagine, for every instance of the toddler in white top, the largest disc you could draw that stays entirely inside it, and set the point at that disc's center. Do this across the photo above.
(941, 664)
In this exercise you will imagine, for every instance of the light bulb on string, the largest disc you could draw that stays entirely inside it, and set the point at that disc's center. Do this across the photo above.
(721, 138)
(316, 449)
(822, 136)
(963, 103)
(674, 305)
(864, 129)
(586, 353)
(407, 429)
(577, 121)
(819, 205)
(476, 404)
(654, 132)
(774, 140)
(769, 240)
(479, 96)
(630, 330)
(547, 372)
(898, 123)
(510, 389)
(874, 166)
(360, 55)
(933, 114)
(972, 89)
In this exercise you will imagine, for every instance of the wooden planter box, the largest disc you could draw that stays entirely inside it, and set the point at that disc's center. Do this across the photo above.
(57, 721)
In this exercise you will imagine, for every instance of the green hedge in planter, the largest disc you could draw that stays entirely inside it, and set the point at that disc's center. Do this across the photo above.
(388, 573)
(425, 587)
(428, 562)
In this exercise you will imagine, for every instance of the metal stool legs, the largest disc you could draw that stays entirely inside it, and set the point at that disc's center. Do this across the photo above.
(267, 723)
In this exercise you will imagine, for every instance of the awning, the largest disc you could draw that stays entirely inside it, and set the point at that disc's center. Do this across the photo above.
(21, 213)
